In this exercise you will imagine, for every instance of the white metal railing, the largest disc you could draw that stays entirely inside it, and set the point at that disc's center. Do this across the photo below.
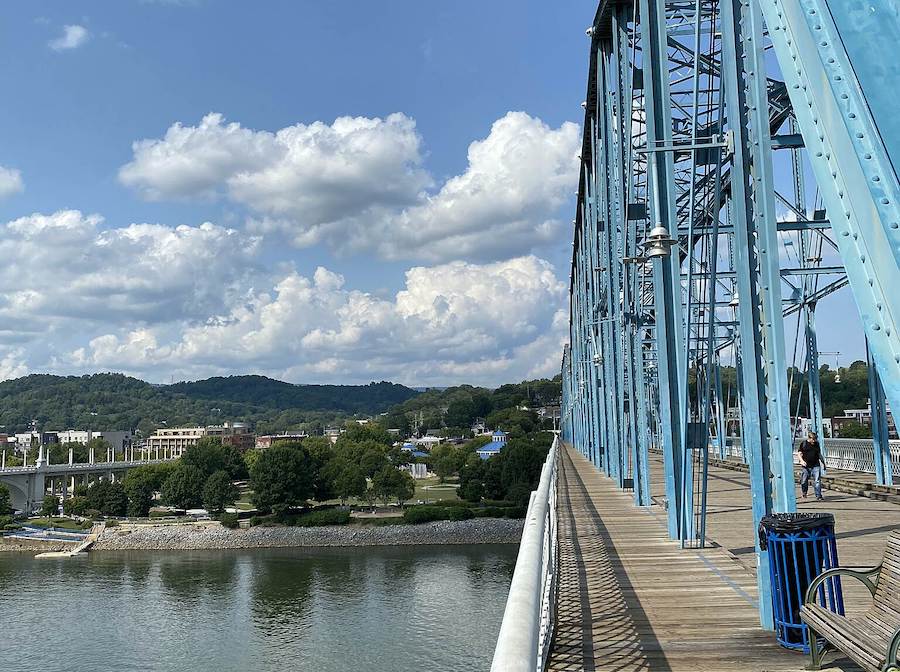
(845, 454)
(528, 621)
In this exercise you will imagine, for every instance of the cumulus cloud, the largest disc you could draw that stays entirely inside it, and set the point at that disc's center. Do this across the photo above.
(10, 182)
(459, 321)
(359, 183)
(63, 265)
(72, 37)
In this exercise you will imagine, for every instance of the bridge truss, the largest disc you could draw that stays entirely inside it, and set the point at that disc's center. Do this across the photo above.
(739, 163)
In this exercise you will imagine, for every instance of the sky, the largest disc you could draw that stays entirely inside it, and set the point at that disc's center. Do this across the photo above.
(318, 192)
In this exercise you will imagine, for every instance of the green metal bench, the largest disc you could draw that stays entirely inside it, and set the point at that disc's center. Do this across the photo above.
(873, 639)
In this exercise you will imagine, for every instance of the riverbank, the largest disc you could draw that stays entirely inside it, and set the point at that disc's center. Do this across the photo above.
(18, 544)
(213, 536)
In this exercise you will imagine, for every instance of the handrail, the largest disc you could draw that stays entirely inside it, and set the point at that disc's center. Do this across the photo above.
(527, 628)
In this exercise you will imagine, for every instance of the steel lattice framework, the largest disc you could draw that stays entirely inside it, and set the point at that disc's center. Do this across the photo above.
(739, 163)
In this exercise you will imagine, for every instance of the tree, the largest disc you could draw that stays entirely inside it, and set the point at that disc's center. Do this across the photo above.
(405, 487)
(320, 452)
(460, 412)
(234, 463)
(100, 446)
(207, 455)
(281, 478)
(219, 492)
(140, 485)
(115, 501)
(373, 461)
(183, 488)
(5, 500)
(59, 453)
(389, 483)
(472, 490)
(356, 433)
(350, 482)
(854, 430)
(49, 506)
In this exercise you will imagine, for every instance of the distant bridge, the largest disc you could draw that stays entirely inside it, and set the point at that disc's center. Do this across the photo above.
(28, 485)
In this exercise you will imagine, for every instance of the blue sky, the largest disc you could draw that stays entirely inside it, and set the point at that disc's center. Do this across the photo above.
(304, 199)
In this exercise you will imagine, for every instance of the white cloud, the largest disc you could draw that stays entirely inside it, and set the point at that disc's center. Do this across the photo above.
(72, 37)
(359, 184)
(10, 182)
(63, 266)
(459, 321)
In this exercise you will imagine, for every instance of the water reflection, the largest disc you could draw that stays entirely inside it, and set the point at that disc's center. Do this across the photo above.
(326, 610)
(281, 591)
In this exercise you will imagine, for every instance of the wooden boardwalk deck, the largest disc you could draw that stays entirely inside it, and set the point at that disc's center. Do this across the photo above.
(631, 599)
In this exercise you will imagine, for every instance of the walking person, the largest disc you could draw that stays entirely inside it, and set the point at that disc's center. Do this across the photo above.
(811, 462)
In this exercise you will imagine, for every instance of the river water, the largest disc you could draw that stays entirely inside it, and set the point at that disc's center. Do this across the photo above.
(379, 609)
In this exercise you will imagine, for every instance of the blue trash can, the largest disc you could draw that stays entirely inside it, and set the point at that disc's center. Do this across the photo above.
(801, 546)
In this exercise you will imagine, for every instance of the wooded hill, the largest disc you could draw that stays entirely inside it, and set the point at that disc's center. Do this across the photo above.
(114, 401)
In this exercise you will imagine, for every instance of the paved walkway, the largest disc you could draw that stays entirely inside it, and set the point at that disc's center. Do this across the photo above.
(631, 599)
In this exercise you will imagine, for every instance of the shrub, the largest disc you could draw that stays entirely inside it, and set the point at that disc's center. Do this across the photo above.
(489, 512)
(263, 521)
(458, 513)
(229, 520)
(514, 512)
(501, 503)
(323, 517)
(451, 503)
(425, 514)
(112, 522)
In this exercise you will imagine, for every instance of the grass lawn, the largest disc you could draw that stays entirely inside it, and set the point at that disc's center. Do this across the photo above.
(431, 489)
(65, 523)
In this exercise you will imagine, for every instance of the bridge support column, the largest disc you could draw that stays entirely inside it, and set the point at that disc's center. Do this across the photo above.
(666, 269)
(884, 470)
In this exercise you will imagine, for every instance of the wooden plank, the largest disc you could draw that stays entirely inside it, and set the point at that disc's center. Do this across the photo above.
(631, 599)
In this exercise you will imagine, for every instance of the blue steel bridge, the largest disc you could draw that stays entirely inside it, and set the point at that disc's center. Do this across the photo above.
(739, 164)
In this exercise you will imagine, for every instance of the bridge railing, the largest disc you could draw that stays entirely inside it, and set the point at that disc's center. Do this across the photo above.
(528, 621)
(845, 454)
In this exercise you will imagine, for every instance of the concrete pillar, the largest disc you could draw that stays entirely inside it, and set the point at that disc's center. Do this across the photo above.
(71, 456)
(91, 455)
(3, 461)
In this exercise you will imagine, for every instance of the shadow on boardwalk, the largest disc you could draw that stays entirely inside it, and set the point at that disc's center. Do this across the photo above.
(631, 599)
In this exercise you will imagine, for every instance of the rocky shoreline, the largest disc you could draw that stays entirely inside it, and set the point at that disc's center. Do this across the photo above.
(32, 545)
(214, 536)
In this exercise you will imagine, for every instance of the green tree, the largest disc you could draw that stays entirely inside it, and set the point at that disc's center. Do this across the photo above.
(387, 483)
(207, 455)
(140, 486)
(460, 412)
(282, 478)
(234, 463)
(854, 430)
(115, 501)
(49, 506)
(5, 500)
(350, 482)
(250, 458)
(405, 487)
(59, 453)
(373, 461)
(183, 488)
(321, 453)
(356, 433)
(471, 490)
(100, 446)
(219, 492)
